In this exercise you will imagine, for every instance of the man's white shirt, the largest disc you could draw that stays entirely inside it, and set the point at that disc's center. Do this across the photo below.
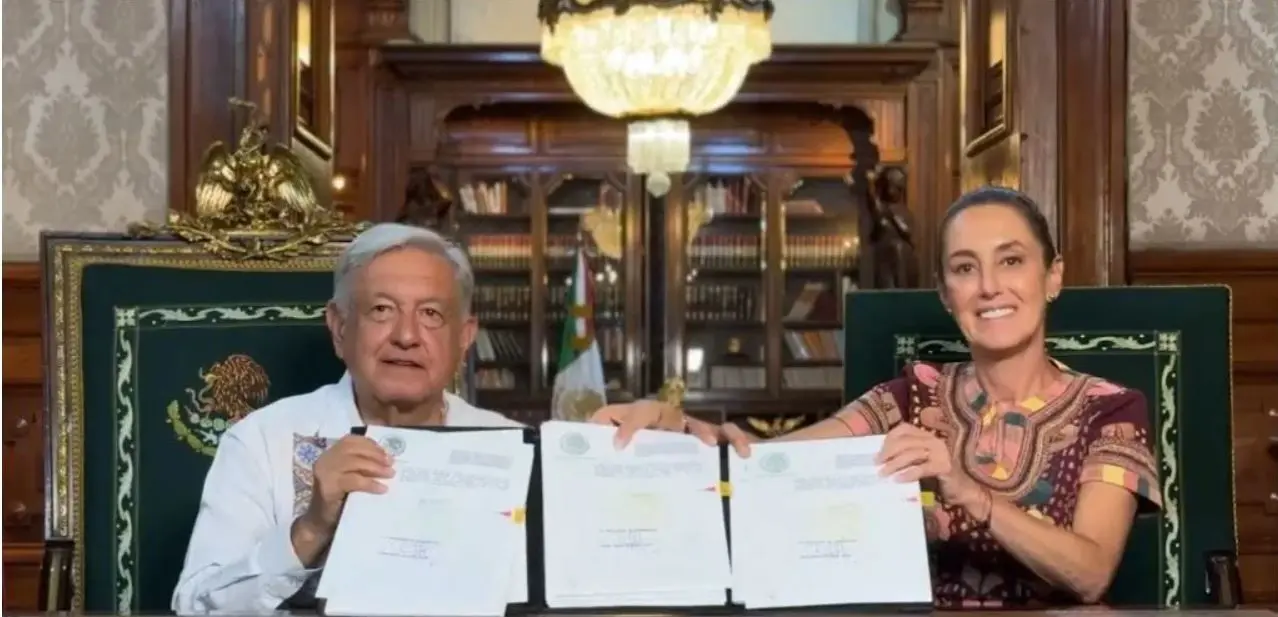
(241, 556)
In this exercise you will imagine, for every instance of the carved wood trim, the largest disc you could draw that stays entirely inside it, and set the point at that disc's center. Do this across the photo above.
(440, 79)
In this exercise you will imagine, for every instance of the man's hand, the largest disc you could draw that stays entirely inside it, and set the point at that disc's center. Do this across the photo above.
(354, 463)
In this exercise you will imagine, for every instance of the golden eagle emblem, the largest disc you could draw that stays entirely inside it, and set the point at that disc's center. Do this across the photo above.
(774, 427)
(231, 390)
(254, 202)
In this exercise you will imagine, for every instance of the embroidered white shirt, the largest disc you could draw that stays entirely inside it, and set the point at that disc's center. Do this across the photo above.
(241, 557)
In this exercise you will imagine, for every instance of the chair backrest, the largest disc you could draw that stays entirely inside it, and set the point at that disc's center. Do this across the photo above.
(1172, 343)
(154, 349)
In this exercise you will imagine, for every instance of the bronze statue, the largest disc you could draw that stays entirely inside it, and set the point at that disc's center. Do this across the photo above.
(887, 248)
(895, 263)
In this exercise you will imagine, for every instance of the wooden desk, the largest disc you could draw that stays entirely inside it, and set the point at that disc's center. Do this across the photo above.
(1089, 611)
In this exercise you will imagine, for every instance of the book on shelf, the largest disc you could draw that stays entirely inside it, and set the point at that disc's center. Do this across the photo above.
(709, 302)
(500, 345)
(495, 379)
(725, 252)
(511, 302)
(485, 198)
(819, 251)
(813, 292)
(814, 345)
(732, 197)
(500, 251)
(802, 207)
(812, 378)
(738, 377)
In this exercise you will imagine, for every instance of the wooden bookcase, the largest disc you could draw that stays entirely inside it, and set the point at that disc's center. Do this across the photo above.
(755, 295)
(733, 280)
(522, 229)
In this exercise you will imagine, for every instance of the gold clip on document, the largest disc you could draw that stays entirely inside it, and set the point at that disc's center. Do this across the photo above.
(725, 489)
(928, 498)
(517, 515)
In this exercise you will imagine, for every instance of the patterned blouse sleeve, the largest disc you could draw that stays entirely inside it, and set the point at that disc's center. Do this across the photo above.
(1118, 449)
(876, 411)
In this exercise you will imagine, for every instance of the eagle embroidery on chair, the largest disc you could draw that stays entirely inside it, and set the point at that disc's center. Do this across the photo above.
(229, 390)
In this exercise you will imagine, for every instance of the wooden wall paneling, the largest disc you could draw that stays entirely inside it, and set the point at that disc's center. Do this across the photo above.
(1253, 278)
(22, 564)
(935, 92)
(243, 49)
(1063, 142)
(355, 91)
(933, 21)
(23, 454)
(1037, 100)
(207, 66)
(1092, 206)
(384, 20)
(989, 131)
(369, 131)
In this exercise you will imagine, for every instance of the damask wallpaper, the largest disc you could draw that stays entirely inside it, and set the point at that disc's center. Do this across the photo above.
(85, 117)
(1203, 123)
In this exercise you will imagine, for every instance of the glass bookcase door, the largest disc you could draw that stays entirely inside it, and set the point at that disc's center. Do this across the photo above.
(818, 263)
(493, 221)
(725, 291)
(589, 214)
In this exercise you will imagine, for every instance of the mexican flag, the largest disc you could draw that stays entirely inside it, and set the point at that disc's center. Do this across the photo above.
(579, 385)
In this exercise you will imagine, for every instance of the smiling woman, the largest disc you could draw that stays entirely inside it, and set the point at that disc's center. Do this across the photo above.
(1039, 468)
(998, 269)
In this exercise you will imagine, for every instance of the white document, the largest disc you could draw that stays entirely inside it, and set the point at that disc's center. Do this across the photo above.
(443, 539)
(514, 438)
(641, 526)
(813, 524)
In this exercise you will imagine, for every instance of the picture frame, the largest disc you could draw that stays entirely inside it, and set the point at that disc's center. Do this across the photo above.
(987, 72)
(313, 96)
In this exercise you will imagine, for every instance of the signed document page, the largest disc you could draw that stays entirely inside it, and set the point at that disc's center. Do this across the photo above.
(642, 526)
(444, 539)
(813, 524)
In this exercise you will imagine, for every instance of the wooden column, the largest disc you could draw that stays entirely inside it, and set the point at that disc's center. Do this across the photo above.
(1092, 212)
(369, 143)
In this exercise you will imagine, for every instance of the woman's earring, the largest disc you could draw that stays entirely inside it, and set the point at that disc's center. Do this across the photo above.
(1051, 298)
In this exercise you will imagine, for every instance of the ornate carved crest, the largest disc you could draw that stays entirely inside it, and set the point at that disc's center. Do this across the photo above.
(254, 202)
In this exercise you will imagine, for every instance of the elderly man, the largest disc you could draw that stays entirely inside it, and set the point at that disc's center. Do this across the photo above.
(401, 322)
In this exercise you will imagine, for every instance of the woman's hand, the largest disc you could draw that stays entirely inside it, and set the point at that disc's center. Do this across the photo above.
(630, 417)
(739, 440)
(910, 454)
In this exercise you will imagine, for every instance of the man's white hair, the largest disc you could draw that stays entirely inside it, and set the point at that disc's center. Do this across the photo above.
(385, 237)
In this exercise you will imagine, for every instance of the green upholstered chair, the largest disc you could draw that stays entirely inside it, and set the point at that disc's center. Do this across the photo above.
(1172, 343)
(154, 348)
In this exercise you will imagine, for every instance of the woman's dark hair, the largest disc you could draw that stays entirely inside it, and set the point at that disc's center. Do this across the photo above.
(1000, 196)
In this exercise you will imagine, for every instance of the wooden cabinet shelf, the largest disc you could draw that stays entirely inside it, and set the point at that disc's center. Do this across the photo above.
(740, 275)
(733, 280)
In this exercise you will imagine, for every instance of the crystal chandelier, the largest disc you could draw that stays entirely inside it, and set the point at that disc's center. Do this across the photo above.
(654, 64)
